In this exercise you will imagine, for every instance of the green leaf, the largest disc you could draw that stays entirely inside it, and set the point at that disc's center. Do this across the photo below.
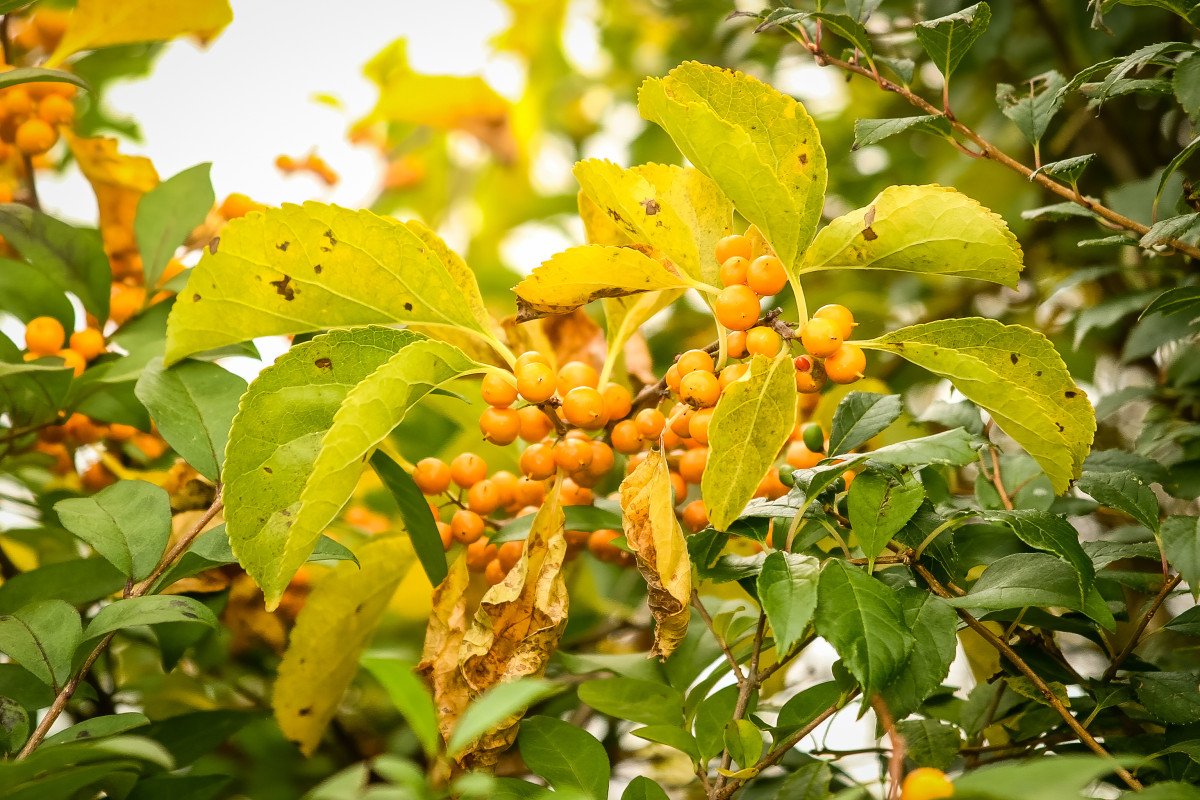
(934, 626)
(1068, 170)
(1181, 543)
(1183, 300)
(74, 257)
(78, 581)
(418, 518)
(27, 292)
(929, 742)
(808, 782)
(496, 705)
(579, 275)
(1125, 491)
(759, 145)
(879, 505)
(193, 403)
(151, 609)
(14, 725)
(744, 742)
(1187, 623)
(678, 212)
(42, 638)
(947, 39)
(1057, 778)
(647, 702)
(19, 75)
(167, 214)
(566, 756)
(1186, 82)
(863, 621)
(711, 716)
(298, 269)
(808, 704)
(99, 727)
(642, 788)
(1017, 376)
(1033, 104)
(1051, 533)
(128, 523)
(873, 131)
(787, 590)
(752, 421)
(859, 417)
(671, 736)
(1165, 231)
(211, 549)
(953, 448)
(1172, 697)
(32, 394)
(932, 230)
(410, 696)
(579, 518)
(1182, 156)
(1023, 579)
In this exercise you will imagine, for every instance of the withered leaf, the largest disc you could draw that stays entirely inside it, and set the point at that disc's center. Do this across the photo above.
(443, 640)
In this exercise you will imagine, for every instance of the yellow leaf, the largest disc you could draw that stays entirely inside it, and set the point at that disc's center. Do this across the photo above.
(654, 536)
(579, 275)
(518, 624)
(103, 23)
(443, 640)
(331, 633)
(119, 182)
(678, 211)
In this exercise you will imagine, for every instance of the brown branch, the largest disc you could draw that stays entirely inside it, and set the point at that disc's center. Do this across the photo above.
(745, 687)
(896, 757)
(997, 480)
(1136, 638)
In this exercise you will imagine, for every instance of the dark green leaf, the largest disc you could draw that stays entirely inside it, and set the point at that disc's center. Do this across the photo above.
(410, 696)
(860, 416)
(148, 610)
(934, 627)
(1067, 170)
(647, 702)
(1058, 778)
(42, 638)
(77, 581)
(27, 292)
(418, 517)
(1051, 533)
(99, 727)
(181, 787)
(128, 523)
(787, 590)
(879, 505)
(1164, 231)
(1178, 161)
(1024, 579)
(947, 39)
(1187, 623)
(671, 736)
(809, 782)
(642, 788)
(167, 214)
(711, 715)
(191, 735)
(807, 705)
(1181, 542)
(1187, 84)
(873, 131)
(1180, 301)
(14, 725)
(1172, 697)
(861, 618)
(32, 394)
(1032, 105)
(20, 75)
(496, 705)
(566, 756)
(72, 256)
(930, 743)
(1123, 491)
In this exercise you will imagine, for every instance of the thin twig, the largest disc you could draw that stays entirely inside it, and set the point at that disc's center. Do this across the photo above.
(1136, 638)
(996, 479)
(745, 687)
(704, 615)
(896, 758)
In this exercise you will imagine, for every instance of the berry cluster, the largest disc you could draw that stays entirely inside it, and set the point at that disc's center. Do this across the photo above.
(311, 163)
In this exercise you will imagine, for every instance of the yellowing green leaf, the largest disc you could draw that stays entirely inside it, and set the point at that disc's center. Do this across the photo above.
(439, 101)
(759, 145)
(579, 275)
(677, 211)
(657, 542)
(928, 229)
(103, 23)
(517, 626)
(1017, 376)
(752, 421)
(307, 268)
(284, 487)
(333, 629)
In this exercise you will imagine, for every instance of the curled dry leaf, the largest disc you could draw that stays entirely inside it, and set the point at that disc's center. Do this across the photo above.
(517, 626)
(654, 536)
(443, 640)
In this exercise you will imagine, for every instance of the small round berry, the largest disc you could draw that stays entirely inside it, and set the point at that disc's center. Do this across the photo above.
(813, 437)
(537, 462)
(678, 487)
(530, 491)
(577, 373)
(692, 464)
(572, 494)
(820, 338)
(35, 136)
(97, 477)
(800, 457)
(600, 544)
(44, 336)
(602, 459)
(124, 302)
(698, 426)
(766, 275)
(535, 425)
(926, 783)
(535, 382)
(494, 572)
(80, 429)
(672, 378)
(681, 421)
(735, 343)
(573, 455)
(88, 342)
(650, 423)
(735, 245)
(479, 553)
(583, 407)
(530, 357)
(510, 554)
(694, 361)
(736, 307)
(237, 205)
(483, 497)
(432, 475)
(447, 535)
(466, 526)
(73, 360)
(846, 365)
(700, 389)
(838, 316)
(500, 425)
(56, 110)
(625, 437)
(618, 402)
(763, 341)
(695, 516)
(499, 389)
(733, 271)
(467, 469)
(16, 102)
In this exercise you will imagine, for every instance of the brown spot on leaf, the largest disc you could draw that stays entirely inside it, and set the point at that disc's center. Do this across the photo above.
(268, 470)
(1069, 394)
(804, 158)
(1013, 357)
(323, 363)
(212, 244)
(282, 287)
(651, 207)
(1060, 427)
(408, 306)
(195, 298)
(869, 220)
(317, 268)
(304, 712)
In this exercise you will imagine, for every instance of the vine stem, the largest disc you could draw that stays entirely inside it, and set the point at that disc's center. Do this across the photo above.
(745, 687)
(137, 590)
(1005, 650)
(896, 757)
(990, 151)
(1136, 638)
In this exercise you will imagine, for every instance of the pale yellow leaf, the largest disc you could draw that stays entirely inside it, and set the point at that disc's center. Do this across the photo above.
(104, 23)
(443, 640)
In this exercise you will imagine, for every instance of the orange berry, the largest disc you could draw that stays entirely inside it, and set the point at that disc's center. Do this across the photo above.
(809, 383)
(820, 338)
(573, 455)
(576, 373)
(618, 402)
(467, 469)
(730, 246)
(695, 516)
(838, 316)
(735, 343)
(16, 102)
(650, 423)
(766, 275)
(505, 483)
(847, 364)
(583, 407)
(736, 307)
(500, 425)
(151, 446)
(602, 459)
(73, 360)
(432, 476)
(692, 463)
(535, 382)
(530, 492)
(763, 341)
(510, 554)
(771, 486)
(121, 433)
(237, 205)
(494, 573)
(672, 440)
(466, 526)
(483, 497)
(44, 336)
(124, 302)
(499, 389)
(694, 361)
(538, 461)
(700, 389)
(480, 553)
(530, 357)
(80, 429)
(446, 534)
(97, 477)
(733, 271)
(88, 342)
(672, 378)
(625, 437)
(600, 544)
(698, 426)
(56, 110)
(535, 425)
(926, 783)
(733, 372)
(35, 136)
(572, 494)
(678, 487)
(800, 457)
(681, 420)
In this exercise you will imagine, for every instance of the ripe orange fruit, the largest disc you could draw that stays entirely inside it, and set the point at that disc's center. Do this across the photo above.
(237, 205)
(602, 459)
(88, 342)
(97, 477)
(733, 271)
(692, 463)
(733, 372)
(73, 360)
(479, 553)
(766, 275)
(505, 483)
(847, 364)
(730, 246)
(467, 469)
(56, 110)
(672, 378)
(35, 136)
(432, 476)
(820, 338)
(483, 497)
(625, 437)
(124, 302)
(926, 783)
(600, 544)
(583, 407)
(572, 494)
(535, 425)
(678, 487)
(446, 534)
(44, 336)
(698, 426)
(494, 572)
(530, 357)
(529, 492)
(736, 307)
(500, 425)
(573, 455)
(692, 361)
(695, 516)
(680, 421)
(800, 457)
(510, 554)
(576, 373)
(838, 316)
(618, 402)
(763, 341)
(499, 390)
(535, 382)
(735, 343)
(538, 461)
(700, 389)
(151, 445)
(80, 429)
(466, 526)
